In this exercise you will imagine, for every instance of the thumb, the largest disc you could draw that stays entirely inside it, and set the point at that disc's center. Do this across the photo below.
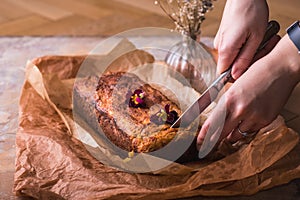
(229, 45)
(244, 58)
(226, 56)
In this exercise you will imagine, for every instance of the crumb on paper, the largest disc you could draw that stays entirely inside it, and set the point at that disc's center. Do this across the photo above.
(126, 160)
(130, 154)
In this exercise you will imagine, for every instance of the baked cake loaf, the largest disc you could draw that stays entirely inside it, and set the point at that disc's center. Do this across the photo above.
(107, 113)
(130, 127)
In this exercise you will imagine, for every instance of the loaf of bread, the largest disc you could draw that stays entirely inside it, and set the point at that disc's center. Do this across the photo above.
(130, 127)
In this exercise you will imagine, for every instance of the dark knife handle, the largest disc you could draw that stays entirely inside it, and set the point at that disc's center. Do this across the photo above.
(272, 29)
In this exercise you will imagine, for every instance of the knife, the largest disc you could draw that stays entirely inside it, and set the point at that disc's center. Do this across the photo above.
(211, 93)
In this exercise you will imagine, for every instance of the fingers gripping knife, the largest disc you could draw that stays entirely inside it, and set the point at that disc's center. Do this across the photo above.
(213, 90)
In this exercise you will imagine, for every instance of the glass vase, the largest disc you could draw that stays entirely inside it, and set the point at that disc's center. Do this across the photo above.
(192, 59)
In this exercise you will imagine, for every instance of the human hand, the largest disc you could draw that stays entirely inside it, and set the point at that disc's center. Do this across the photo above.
(242, 29)
(255, 99)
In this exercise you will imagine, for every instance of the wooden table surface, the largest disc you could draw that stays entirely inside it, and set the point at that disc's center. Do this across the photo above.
(99, 18)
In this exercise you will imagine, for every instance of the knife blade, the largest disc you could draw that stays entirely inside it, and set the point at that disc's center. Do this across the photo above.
(211, 93)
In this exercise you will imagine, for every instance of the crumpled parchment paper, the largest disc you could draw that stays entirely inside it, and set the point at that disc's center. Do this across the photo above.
(52, 163)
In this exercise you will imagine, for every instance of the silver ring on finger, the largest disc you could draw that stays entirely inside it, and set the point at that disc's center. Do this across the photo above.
(245, 133)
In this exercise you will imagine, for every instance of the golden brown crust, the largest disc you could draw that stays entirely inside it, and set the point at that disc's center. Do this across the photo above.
(127, 127)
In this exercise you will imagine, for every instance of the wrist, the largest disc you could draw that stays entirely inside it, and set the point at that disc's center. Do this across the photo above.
(287, 58)
(294, 59)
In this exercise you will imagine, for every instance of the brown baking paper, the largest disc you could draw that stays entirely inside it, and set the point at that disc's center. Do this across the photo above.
(52, 163)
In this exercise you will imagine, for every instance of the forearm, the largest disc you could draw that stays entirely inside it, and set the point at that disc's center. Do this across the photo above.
(285, 56)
